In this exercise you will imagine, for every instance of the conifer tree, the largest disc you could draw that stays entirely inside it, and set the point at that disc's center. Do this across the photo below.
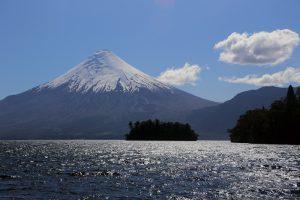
(290, 99)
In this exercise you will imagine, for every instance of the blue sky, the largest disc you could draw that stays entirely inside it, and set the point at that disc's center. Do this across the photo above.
(40, 40)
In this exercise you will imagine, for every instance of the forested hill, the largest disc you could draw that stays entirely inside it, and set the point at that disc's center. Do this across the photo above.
(277, 125)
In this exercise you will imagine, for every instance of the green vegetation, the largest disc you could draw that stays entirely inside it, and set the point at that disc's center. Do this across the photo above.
(157, 130)
(277, 125)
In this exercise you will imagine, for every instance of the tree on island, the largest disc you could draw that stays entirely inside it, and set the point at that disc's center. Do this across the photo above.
(157, 130)
(277, 125)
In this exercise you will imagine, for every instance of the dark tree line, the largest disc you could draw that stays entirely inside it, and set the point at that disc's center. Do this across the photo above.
(157, 130)
(278, 125)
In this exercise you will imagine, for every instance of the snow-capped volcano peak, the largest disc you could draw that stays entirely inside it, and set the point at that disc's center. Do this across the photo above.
(104, 72)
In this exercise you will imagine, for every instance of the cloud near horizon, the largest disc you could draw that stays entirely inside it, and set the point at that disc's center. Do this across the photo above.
(281, 78)
(261, 48)
(188, 74)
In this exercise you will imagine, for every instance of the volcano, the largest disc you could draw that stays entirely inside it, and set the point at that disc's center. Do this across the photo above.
(94, 100)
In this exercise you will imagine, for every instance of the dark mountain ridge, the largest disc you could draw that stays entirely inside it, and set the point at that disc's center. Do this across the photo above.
(213, 122)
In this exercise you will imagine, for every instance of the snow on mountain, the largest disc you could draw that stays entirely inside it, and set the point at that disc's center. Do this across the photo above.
(104, 72)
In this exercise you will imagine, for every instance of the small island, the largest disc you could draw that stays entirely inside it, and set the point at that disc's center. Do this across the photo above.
(157, 130)
(277, 125)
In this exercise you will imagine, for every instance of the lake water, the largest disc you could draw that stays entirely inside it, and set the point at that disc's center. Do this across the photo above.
(148, 170)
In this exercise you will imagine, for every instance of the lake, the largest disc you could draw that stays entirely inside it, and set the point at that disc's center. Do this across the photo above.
(100, 169)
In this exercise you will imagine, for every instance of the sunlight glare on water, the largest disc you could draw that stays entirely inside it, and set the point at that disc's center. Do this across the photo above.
(148, 170)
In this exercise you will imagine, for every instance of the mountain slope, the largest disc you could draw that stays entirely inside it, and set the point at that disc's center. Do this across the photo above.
(95, 99)
(213, 122)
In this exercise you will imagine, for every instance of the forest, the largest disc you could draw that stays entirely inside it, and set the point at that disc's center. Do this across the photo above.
(277, 125)
(157, 130)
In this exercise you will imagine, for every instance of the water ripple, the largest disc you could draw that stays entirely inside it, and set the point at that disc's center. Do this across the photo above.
(148, 170)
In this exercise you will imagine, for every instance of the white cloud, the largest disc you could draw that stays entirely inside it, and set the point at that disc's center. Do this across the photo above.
(262, 48)
(187, 74)
(289, 75)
